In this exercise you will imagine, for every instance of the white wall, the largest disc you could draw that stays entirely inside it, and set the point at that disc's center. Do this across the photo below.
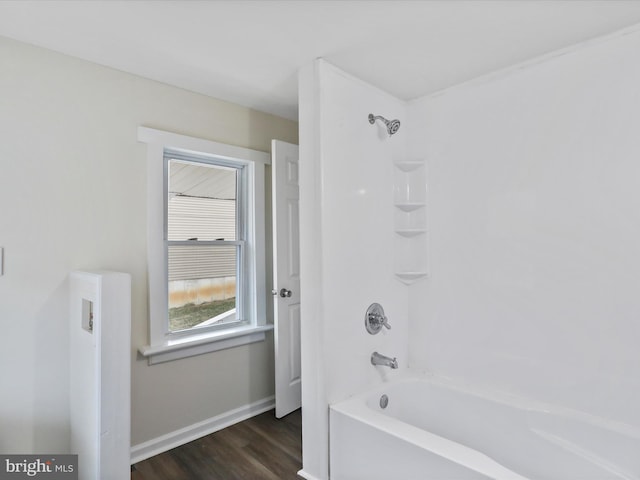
(347, 245)
(534, 217)
(72, 196)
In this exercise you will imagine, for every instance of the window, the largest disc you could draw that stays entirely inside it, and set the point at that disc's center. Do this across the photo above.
(205, 245)
(205, 242)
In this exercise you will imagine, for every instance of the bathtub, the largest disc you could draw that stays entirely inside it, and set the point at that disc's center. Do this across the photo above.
(432, 429)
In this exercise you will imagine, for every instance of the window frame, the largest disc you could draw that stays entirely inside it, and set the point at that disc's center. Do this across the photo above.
(164, 345)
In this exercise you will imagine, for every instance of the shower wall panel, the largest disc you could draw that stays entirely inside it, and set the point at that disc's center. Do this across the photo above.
(347, 244)
(534, 230)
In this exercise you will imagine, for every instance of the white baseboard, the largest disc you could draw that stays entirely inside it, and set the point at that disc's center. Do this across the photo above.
(306, 475)
(152, 447)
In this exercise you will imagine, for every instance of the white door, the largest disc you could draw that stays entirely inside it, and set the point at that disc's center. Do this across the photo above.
(286, 276)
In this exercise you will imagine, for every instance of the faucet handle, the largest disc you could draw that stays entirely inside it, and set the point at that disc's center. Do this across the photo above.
(380, 320)
(375, 319)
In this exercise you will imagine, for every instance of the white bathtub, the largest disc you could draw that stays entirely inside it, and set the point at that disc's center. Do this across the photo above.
(431, 430)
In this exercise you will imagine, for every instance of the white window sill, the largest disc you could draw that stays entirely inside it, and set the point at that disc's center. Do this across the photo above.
(175, 349)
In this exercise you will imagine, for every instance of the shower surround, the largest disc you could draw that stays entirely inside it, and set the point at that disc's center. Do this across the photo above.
(532, 236)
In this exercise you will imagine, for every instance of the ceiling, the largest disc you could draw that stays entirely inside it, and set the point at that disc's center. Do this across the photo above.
(249, 52)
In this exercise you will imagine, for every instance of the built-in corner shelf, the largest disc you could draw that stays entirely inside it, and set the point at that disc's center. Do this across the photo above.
(410, 191)
(410, 232)
(409, 165)
(410, 207)
(410, 277)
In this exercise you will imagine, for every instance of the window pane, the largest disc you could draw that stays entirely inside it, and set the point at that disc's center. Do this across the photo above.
(201, 202)
(202, 285)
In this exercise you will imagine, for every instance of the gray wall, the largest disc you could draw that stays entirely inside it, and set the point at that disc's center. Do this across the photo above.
(73, 196)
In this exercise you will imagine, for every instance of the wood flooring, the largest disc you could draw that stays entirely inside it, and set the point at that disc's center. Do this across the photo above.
(261, 447)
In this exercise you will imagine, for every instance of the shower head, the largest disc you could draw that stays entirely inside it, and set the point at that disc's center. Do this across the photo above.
(392, 125)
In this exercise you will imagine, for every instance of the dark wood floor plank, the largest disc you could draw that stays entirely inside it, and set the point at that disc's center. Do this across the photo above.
(282, 467)
(137, 475)
(282, 435)
(232, 436)
(240, 463)
(260, 448)
(294, 420)
(161, 466)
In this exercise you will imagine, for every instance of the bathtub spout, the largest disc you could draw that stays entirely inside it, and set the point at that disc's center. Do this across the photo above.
(377, 359)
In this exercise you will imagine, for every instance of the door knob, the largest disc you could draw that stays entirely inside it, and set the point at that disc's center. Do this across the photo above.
(284, 293)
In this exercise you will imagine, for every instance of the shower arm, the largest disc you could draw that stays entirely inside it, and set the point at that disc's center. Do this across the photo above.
(392, 125)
